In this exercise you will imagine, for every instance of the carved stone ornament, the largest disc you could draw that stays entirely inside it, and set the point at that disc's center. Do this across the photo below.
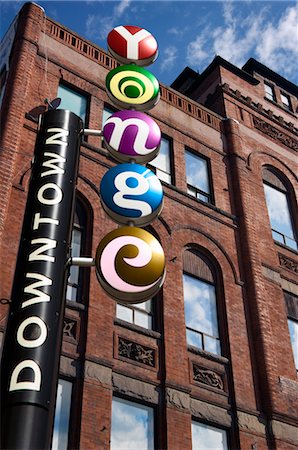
(70, 328)
(288, 263)
(208, 377)
(274, 133)
(136, 352)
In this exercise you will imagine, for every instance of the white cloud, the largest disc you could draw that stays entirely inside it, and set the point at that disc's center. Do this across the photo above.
(99, 26)
(169, 57)
(239, 38)
(132, 426)
(121, 7)
(200, 305)
(278, 45)
(278, 209)
(196, 53)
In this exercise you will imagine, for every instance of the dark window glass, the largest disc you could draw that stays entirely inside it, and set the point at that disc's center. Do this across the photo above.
(206, 437)
(279, 210)
(132, 426)
(62, 413)
(197, 176)
(73, 101)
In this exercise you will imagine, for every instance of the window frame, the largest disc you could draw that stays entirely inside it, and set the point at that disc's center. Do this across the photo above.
(290, 204)
(81, 92)
(197, 190)
(109, 107)
(86, 244)
(271, 97)
(69, 438)
(201, 333)
(171, 174)
(288, 105)
(134, 308)
(291, 306)
(136, 401)
(194, 420)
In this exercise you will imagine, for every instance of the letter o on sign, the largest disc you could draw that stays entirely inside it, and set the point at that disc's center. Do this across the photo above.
(132, 86)
(50, 201)
(32, 343)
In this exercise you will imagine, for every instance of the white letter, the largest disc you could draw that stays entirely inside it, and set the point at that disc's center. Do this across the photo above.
(60, 134)
(38, 220)
(132, 40)
(16, 385)
(141, 188)
(48, 244)
(32, 289)
(142, 134)
(32, 343)
(50, 201)
(51, 164)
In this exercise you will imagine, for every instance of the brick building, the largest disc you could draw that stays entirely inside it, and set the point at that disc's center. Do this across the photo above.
(213, 358)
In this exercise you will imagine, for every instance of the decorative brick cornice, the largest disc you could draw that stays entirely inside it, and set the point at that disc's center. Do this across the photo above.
(208, 377)
(268, 113)
(275, 134)
(91, 51)
(288, 263)
(136, 352)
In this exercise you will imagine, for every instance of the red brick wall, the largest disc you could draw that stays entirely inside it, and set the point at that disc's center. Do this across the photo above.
(234, 234)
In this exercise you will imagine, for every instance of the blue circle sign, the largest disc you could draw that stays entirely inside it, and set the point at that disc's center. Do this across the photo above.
(131, 193)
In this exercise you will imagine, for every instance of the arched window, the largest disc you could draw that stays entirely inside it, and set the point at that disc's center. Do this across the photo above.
(144, 314)
(279, 209)
(78, 248)
(200, 303)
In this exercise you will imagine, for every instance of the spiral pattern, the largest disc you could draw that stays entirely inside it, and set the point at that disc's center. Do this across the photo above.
(130, 264)
(134, 86)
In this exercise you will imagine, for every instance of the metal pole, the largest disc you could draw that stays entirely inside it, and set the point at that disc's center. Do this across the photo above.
(32, 344)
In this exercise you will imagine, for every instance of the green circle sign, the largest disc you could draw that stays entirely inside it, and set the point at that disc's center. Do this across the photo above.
(132, 86)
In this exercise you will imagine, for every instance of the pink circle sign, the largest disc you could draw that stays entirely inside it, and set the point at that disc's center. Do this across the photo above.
(130, 44)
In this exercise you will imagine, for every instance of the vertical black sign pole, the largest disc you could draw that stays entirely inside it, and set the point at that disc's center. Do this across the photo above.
(31, 350)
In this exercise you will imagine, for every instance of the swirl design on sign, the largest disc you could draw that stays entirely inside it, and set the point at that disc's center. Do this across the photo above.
(130, 264)
(134, 86)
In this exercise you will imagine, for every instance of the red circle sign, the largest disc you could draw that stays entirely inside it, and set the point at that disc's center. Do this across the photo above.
(132, 44)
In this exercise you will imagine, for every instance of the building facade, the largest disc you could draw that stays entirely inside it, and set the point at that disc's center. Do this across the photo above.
(213, 358)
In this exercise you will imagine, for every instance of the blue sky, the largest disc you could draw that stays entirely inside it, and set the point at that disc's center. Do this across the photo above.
(189, 33)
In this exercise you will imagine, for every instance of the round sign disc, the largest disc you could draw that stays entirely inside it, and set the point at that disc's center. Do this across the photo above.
(130, 44)
(132, 135)
(130, 264)
(132, 86)
(131, 193)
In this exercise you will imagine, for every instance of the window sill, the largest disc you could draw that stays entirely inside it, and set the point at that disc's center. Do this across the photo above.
(75, 305)
(290, 249)
(137, 328)
(207, 355)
